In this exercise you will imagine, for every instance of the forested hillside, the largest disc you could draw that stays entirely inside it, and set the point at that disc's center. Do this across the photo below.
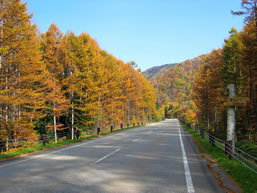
(174, 84)
(52, 83)
(151, 72)
(196, 90)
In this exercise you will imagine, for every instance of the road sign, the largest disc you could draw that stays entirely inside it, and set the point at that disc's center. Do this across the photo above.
(237, 101)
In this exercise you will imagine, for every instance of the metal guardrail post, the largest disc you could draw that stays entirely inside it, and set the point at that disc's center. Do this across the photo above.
(202, 132)
(211, 139)
(77, 134)
(44, 139)
(228, 148)
(98, 131)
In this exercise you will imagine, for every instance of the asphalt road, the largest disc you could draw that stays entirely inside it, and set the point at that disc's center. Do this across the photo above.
(153, 159)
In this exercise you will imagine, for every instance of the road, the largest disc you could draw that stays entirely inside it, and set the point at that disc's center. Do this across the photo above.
(157, 158)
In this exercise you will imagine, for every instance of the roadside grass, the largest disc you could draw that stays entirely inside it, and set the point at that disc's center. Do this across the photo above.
(242, 175)
(36, 147)
(248, 146)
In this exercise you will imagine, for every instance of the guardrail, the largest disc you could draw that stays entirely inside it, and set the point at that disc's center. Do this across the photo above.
(6, 145)
(241, 156)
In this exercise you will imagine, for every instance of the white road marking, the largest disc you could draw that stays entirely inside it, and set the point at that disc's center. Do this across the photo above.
(190, 186)
(136, 139)
(42, 155)
(74, 146)
(164, 144)
(103, 158)
(149, 132)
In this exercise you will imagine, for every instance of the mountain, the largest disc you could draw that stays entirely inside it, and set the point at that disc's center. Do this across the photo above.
(174, 82)
(151, 72)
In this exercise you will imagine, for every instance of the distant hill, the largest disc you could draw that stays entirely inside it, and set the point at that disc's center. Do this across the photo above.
(151, 72)
(174, 82)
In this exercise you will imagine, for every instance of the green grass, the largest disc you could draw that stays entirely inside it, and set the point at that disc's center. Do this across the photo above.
(242, 175)
(35, 147)
(248, 146)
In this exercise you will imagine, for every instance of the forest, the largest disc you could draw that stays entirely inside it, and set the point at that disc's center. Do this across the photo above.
(196, 90)
(60, 84)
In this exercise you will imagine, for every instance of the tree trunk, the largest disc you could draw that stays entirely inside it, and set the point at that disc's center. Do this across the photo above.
(124, 113)
(7, 129)
(55, 128)
(143, 119)
(72, 116)
(207, 106)
(128, 112)
(7, 111)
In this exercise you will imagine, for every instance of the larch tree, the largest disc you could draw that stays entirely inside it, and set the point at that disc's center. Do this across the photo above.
(20, 69)
(55, 95)
(65, 82)
(207, 89)
(68, 58)
(112, 90)
(232, 51)
(249, 56)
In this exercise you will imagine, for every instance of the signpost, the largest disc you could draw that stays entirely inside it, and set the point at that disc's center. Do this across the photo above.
(231, 103)
(237, 101)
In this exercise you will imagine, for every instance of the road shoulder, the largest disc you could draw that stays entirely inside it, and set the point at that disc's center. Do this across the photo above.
(224, 180)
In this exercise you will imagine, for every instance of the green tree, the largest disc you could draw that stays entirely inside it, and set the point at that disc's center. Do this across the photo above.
(232, 51)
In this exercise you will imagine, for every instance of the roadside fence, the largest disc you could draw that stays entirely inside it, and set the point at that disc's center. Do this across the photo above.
(235, 153)
(6, 145)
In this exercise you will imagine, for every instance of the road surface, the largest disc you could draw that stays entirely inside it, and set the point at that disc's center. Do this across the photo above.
(157, 158)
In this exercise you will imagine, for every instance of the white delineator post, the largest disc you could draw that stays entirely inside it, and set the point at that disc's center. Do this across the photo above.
(231, 121)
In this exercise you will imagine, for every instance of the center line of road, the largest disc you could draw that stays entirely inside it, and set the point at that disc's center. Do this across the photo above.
(190, 186)
(103, 158)
(136, 139)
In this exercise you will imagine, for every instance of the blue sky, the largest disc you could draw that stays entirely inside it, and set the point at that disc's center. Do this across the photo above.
(150, 32)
